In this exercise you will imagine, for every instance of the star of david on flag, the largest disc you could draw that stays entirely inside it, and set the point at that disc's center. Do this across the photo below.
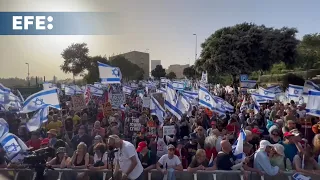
(295, 91)
(115, 72)
(12, 145)
(38, 102)
(207, 97)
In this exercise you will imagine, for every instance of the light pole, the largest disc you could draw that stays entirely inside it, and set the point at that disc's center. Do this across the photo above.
(195, 57)
(28, 74)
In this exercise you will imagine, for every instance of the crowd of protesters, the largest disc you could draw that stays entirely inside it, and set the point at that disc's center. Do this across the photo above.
(281, 137)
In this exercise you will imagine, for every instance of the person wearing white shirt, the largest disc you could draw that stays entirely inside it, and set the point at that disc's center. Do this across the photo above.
(126, 158)
(169, 161)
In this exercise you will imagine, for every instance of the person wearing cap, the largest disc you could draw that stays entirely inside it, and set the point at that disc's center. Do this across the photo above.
(169, 162)
(278, 158)
(147, 158)
(256, 136)
(192, 147)
(182, 153)
(55, 124)
(126, 158)
(301, 111)
(261, 159)
(60, 160)
(291, 144)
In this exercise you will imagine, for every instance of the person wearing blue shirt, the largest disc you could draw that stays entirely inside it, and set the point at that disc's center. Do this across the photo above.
(290, 144)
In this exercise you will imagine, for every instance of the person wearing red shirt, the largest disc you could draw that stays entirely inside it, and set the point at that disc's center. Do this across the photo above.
(34, 142)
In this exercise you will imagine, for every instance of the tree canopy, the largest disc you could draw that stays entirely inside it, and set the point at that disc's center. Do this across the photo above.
(158, 72)
(309, 52)
(78, 62)
(171, 75)
(190, 72)
(245, 48)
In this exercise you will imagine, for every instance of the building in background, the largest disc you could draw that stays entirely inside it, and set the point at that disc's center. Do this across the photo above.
(141, 59)
(154, 64)
(177, 69)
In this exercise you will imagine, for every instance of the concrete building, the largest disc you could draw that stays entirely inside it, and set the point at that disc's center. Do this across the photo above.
(154, 64)
(141, 59)
(177, 69)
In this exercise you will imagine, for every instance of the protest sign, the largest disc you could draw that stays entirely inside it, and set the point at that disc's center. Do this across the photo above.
(116, 100)
(169, 130)
(135, 125)
(146, 102)
(152, 128)
(78, 103)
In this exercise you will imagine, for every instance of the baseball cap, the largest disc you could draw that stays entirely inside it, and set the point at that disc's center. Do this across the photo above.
(256, 131)
(170, 146)
(264, 144)
(141, 146)
(288, 134)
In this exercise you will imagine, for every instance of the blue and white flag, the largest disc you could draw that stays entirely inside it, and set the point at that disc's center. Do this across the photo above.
(256, 105)
(109, 74)
(184, 105)
(313, 105)
(161, 90)
(4, 127)
(98, 85)
(72, 90)
(177, 85)
(20, 96)
(309, 85)
(237, 148)
(127, 90)
(4, 89)
(204, 78)
(170, 101)
(259, 98)
(248, 84)
(41, 99)
(164, 80)
(156, 109)
(269, 95)
(95, 91)
(206, 99)
(295, 90)
(223, 104)
(243, 106)
(275, 89)
(38, 119)
(190, 94)
(14, 147)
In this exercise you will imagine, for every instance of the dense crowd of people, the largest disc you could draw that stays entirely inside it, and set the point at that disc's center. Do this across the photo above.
(281, 137)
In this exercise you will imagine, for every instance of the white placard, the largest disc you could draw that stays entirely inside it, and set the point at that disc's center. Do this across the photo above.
(116, 100)
(169, 130)
(146, 102)
(135, 125)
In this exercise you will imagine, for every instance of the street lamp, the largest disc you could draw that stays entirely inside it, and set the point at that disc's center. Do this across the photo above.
(195, 58)
(28, 74)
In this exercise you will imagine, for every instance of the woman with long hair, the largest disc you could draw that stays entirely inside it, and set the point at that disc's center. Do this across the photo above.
(305, 163)
(80, 159)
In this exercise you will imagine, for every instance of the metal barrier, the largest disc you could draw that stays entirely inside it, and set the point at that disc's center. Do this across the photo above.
(70, 174)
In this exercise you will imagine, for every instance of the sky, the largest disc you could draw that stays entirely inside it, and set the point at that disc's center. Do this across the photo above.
(162, 28)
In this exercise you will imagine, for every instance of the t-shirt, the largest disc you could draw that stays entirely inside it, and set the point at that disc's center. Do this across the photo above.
(290, 150)
(194, 163)
(168, 163)
(54, 125)
(123, 156)
(224, 161)
(35, 144)
(148, 159)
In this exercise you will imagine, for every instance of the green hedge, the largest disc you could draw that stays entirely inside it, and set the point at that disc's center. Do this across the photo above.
(278, 77)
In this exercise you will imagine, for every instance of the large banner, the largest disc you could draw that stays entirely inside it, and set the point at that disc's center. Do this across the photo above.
(78, 103)
(117, 99)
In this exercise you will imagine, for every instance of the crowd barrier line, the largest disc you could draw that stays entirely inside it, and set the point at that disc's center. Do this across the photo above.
(214, 173)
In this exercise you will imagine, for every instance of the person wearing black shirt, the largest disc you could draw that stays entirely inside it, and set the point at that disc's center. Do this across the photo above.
(148, 159)
(192, 147)
(225, 159)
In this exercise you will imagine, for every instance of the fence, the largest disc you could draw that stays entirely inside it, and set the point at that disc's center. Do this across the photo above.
(70, 174)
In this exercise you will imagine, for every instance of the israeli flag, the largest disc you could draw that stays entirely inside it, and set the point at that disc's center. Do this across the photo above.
(256, 104)
(260, 99)
(41, 99)
(109, 74)
(161, 90)
(11, 97)
(275, 89)
(243, 106)
(127, 90)
(171, 101)
(4, 89)
(4, 127)
(206, 99)
(156, 109)
(98, 85)
(237, 148)
(190, 94)
(249, 84)
(313, 105)
(184, 105)
(295, 91)
(204, 78)
(95, 91)
(309, 85)
(72, 90)
(164, 80)
(38, 119)
(223, 104)
(177, 85)
(267, 94)
(14, 147)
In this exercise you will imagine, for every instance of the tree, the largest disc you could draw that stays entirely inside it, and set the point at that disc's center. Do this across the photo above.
(190, 72)
(244, 48)
(171, 75)
(76, 59)
(158, 72)
(129, 70)
(309, 52)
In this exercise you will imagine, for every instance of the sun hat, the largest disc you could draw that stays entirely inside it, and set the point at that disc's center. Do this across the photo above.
(264, 144)
(279, 149)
